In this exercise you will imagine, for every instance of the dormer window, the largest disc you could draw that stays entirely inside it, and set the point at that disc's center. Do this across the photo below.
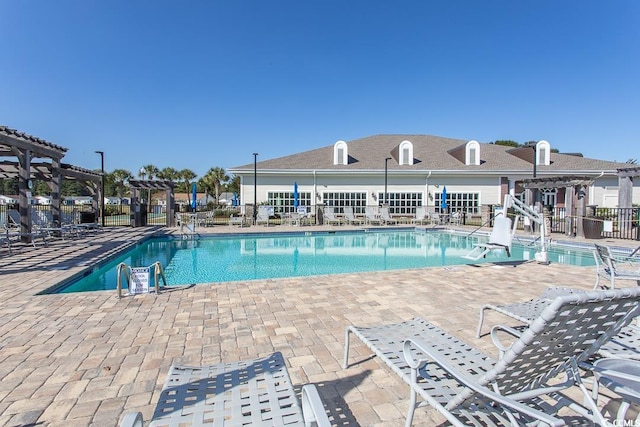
(472, 153)
(543, 157)
(340, 153)
(406, 153)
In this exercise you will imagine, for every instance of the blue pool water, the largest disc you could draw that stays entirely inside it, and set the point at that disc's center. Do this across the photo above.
(231, 258)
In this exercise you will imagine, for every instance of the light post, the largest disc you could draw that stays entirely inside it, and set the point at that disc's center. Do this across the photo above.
(386, 160)
(255, 187)
(143, 174)
(101, 153)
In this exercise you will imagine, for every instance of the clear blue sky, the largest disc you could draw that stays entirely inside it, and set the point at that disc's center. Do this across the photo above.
(198, 84)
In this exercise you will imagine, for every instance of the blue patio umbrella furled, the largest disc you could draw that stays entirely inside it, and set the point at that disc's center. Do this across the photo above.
(194, 196)
(295, 195)
(444, 205)
(235, 199)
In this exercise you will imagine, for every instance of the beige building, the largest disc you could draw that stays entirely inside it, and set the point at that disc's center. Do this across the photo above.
(414, 170)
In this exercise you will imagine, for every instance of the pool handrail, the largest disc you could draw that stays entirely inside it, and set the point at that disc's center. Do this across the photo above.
(158, 272)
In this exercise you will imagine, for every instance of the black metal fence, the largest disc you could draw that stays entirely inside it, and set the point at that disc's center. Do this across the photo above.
(613, 223)
(617, 223)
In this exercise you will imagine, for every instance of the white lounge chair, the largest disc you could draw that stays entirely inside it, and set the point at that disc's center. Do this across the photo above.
(421, 216)
(500, 238)
(264, 215)
(237, 220)
(385, 216)
(525, 311)
(371, 216)
(255, 392)
(611, 267)
(625, 345)
(435, 218)
(471, 388)
(455, 218)
(349, 216)
(330, 216)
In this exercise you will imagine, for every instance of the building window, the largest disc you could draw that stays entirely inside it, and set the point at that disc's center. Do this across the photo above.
(282, 201)
(472, 152)
(340, 153)
(463, 202)
(406, 153)
(401, 203)
(339, 199)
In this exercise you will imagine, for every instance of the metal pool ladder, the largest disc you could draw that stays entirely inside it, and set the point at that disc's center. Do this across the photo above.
(125, 270)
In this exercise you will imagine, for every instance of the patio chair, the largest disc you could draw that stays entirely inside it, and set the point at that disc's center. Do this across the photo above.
(612, 268)
(455, 218)
(237, 220)
(330, 216)
(527, 311)
(349, 216)
(254, 392)
(371, 216)
(385, 216)
(14, 230)
(625, 345)
(421, 216)
(435, 219)
(524, 385)
(264, 214)
(500, 238)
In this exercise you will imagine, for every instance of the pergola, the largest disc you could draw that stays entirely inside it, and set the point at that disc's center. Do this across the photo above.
(575, 194)
(25, 148)
(151, 185)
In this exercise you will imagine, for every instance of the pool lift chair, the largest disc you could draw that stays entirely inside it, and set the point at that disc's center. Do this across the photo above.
(503, 231)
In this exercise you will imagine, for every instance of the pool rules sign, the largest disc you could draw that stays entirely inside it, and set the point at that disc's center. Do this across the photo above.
(139, 280)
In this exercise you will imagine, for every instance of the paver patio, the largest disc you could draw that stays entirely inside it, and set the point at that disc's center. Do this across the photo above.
(88, 358)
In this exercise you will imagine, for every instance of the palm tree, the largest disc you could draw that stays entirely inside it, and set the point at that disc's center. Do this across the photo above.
(121, 178)
(169, 174)
(186, 176)
(206, 183)
(233, 184)
(214, 178)
(152, 171)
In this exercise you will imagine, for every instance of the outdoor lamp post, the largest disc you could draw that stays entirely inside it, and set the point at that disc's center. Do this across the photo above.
(143, 174)
(255, 187)
(386, 160)
(101, 153)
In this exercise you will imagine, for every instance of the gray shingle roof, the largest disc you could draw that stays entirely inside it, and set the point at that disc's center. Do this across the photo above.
(430, 153)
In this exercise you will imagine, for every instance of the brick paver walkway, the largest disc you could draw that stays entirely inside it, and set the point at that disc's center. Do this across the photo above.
(88, 358)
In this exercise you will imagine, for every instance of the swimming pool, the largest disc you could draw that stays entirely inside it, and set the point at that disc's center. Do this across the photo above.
(246, 257)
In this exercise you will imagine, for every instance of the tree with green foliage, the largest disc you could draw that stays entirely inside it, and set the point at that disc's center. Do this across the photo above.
(121, 179)
(186, 176)
(233, 185)
(506, 142)
(151, 171)
(213, 180)
(169, 174)
(10, 186)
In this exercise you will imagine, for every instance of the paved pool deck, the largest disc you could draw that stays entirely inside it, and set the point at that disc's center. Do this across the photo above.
(86, 359)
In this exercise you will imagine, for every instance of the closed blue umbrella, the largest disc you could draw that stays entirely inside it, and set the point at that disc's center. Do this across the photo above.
(235, 199)
(194, 196)
(295, 195)
(444, 205)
